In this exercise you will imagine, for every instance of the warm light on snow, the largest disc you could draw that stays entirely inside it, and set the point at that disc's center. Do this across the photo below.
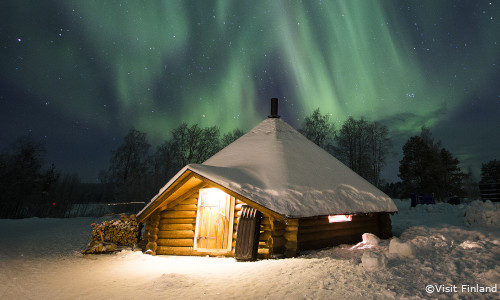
(455, 245)
(339, 218)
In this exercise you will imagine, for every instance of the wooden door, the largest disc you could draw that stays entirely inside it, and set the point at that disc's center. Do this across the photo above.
(214, 221)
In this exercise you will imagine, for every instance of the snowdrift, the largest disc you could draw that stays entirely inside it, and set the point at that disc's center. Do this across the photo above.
(448, 245)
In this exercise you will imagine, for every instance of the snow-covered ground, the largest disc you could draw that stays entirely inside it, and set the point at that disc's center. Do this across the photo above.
(442, 247)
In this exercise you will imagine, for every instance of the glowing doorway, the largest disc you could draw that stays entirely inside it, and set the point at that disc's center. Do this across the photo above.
(214, 221)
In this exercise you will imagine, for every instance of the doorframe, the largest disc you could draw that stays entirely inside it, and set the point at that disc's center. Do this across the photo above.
(229, 234)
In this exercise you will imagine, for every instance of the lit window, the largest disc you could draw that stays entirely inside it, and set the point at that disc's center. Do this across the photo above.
(339, 218)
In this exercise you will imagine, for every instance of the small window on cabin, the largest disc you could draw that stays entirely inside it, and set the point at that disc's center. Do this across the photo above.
(339, 218)
(214, 221)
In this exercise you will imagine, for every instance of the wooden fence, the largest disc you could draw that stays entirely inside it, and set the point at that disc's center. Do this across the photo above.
(490, 191)
(102, 209)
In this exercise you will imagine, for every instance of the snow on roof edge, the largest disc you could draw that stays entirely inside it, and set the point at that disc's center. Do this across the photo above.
(288, 203)
(272, 165)
(162, 190)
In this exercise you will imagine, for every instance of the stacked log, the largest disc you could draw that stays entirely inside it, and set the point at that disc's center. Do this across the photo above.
(108, 235)
(318, 233)
(177, 227)
(95, 247)
(279, 239)
(291, 233)
(271, 240)
(237, 214)
(265, 249)
(151, 233)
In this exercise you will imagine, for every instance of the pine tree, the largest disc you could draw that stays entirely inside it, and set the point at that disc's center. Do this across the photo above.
(428, 168)
(21, 178)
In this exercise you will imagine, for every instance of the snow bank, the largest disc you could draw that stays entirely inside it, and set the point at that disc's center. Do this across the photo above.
(476, 213)
(373, 261)
(402, 249)
(435, 215)
(484, 214)
(40, 259)
(369, 240)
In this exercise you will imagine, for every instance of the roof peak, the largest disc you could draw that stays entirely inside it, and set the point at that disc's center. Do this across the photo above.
(274, 108)
(278, 168)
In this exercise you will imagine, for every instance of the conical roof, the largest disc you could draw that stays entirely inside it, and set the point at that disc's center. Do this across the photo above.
(278, 168)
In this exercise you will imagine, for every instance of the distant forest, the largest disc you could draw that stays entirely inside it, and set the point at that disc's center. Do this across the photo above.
(136, 172)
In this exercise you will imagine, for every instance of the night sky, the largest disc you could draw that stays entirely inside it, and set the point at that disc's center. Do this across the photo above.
(79, 74)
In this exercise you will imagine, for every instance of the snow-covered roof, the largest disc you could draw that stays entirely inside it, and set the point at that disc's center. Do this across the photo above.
(278, 168)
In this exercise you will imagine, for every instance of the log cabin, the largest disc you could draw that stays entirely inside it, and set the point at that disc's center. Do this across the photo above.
(270, 194)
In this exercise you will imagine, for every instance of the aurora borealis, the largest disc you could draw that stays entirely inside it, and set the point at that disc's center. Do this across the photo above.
(79, 74)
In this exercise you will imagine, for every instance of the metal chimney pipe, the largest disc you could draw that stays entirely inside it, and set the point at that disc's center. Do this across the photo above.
(274, 108)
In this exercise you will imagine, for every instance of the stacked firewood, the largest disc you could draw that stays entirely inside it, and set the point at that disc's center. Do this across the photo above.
(109, 235)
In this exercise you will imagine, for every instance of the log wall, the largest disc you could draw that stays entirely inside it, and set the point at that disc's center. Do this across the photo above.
(176, 228)
(292, 237)
(151, 233)
(237, 214)
(271, 238)
(316, 233)
(172, 232)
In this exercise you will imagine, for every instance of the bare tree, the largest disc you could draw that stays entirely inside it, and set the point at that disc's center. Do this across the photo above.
(165, 164)
(194, 144)
(318, 129)
(363, 147)
(380, 144)
(352, 145)
(129, 169)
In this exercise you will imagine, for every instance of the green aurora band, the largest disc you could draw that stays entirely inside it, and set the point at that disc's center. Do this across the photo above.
(155, 64)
